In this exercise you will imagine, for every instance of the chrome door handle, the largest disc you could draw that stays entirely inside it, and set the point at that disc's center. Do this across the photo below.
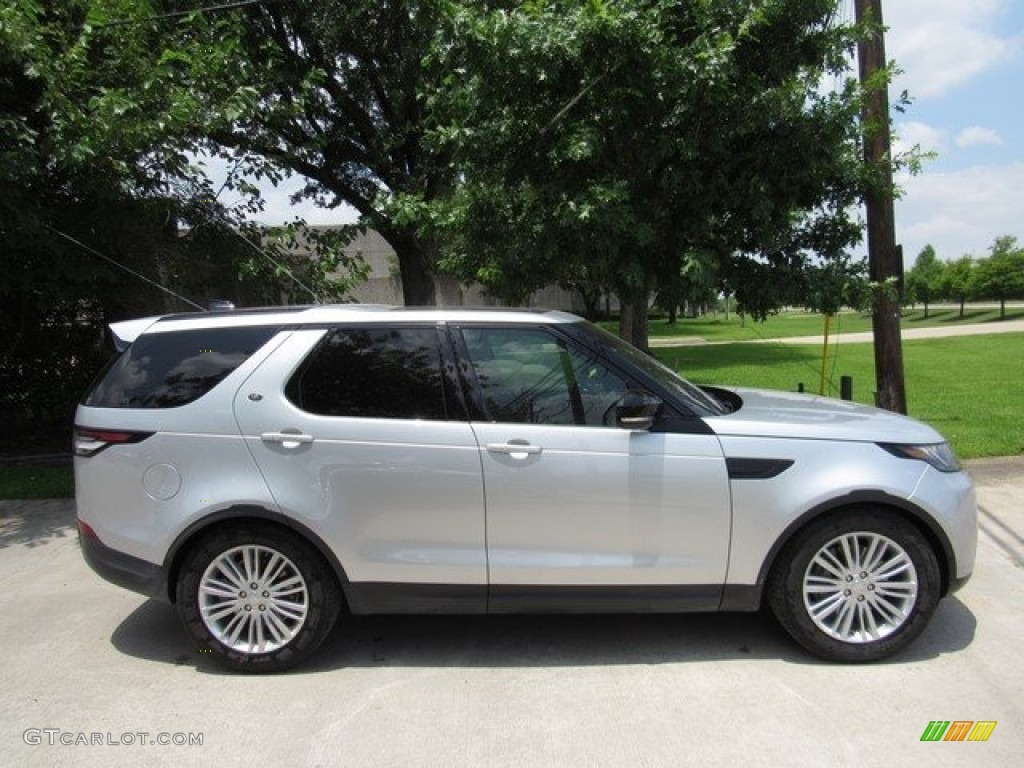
(515, 450)
(287, 439)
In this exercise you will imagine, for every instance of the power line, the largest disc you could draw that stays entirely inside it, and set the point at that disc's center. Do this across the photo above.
(213, 213)
(279, 265)
(119, 265)
(207, 205)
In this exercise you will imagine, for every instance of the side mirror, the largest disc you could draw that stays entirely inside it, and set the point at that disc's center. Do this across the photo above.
(636, 410)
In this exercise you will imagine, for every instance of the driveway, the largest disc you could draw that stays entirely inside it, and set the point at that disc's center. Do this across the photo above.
(86, 662)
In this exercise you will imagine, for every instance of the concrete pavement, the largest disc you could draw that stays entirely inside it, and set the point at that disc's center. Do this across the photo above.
(84, 660)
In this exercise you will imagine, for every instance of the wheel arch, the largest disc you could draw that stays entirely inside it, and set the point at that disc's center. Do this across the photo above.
(224, 518)
(933, 533)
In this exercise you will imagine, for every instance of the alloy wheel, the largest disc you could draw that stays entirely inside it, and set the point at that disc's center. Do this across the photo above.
(253, 599)
(860, 587)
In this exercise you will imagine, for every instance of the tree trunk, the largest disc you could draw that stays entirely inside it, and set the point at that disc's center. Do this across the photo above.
(591, 303)
(633, 319)
(962, 300)
(418, 289)
(1002, 308)
(416, 265)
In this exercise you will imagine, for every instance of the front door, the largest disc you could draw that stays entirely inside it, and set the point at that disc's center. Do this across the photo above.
(580, 512)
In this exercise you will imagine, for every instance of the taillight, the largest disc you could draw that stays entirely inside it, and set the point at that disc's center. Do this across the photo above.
(89, 442)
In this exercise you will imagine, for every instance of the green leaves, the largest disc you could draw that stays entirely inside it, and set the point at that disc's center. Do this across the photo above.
(624, 136)
(1000, 276)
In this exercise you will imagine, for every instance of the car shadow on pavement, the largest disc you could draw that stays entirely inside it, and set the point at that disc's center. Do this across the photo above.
(153, 632)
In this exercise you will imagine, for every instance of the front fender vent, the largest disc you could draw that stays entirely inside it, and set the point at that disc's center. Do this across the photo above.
(757, 469)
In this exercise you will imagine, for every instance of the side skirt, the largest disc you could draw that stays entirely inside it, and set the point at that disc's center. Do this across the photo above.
(365, 597)
(604, 599)
(383, 598)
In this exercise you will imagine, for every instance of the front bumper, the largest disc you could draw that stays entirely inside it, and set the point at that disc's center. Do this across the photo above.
(123, 570)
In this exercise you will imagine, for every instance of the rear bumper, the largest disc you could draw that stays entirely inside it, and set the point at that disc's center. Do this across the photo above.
(123, 570)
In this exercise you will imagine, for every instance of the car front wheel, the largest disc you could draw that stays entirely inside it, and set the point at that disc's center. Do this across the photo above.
(856, 586)
(258, 597)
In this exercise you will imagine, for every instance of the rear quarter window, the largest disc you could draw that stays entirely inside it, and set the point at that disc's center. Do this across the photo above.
(383, 373)
(167, 370)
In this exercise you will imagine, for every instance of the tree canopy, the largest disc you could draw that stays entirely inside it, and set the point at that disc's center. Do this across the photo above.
(998, 276)
(96, 183)
(530, 142)
(330, 89)
(924, 281)
(600, 145)
(628, 135)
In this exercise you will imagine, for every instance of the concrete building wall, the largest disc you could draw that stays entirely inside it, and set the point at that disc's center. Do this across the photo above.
(384, 285)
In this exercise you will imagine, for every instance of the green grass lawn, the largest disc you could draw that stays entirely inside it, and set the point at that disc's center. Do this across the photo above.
(799, 323)
(967, 387)
(36, 481)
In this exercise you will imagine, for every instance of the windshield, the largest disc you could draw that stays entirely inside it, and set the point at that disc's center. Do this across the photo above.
(691, 395)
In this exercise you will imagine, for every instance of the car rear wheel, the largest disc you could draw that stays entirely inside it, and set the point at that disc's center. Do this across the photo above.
(258, 597)
(856, 586)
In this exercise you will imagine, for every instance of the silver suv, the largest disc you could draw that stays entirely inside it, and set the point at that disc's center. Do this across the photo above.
(263, 469)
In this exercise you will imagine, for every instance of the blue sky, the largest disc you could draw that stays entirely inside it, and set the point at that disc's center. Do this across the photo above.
(963, 65)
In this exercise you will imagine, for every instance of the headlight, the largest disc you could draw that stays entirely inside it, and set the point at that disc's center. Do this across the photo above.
(939, 455)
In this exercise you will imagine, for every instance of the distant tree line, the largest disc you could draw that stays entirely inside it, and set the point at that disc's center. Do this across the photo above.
(996, 277)
(822, 285)
(826, 286)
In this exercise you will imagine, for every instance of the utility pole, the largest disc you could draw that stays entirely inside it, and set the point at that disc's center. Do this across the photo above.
(885, 258)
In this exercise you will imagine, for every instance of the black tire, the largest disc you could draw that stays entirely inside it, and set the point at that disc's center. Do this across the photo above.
(272, 628)
(837, 613)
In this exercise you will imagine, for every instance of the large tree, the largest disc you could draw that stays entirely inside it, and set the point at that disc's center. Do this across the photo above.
(539, 142)
(1000, 275)
(958, 280)
(924, 281)
(92, 193)
(627, 135)
(55, 295)
(329, 89)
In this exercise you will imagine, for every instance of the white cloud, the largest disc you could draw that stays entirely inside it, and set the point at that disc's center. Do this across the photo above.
(960, 212)
(910, 134)
(941, 44)
(976, 135)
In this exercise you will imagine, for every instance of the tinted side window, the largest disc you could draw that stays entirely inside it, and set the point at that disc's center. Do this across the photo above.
(529, 376)
(372, 373)
(166, 370)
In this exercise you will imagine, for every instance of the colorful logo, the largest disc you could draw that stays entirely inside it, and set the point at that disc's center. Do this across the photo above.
(958, 730)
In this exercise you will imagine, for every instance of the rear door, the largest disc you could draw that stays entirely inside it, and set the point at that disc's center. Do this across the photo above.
(360, 436)
(581, 513)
